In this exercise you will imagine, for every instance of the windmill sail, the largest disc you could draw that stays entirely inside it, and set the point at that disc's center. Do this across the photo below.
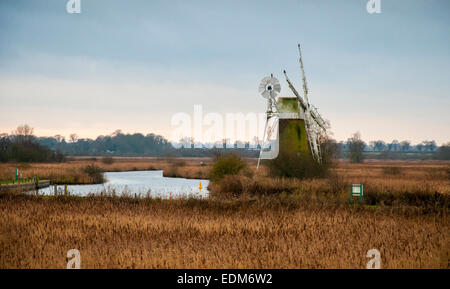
(313, 120)
(269, 88)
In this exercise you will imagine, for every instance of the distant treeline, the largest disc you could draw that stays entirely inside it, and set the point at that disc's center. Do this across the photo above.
(117, 144)
(22, 145)
(356, 150)
(120, 144)
(25, 148)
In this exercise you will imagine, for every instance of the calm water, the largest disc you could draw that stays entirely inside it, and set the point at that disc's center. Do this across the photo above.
(141, 183)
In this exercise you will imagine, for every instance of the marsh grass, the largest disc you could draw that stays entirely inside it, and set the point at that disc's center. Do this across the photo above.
(248, 222)
(108, 160)
(392, 171)
(249, 232)
(73, 171)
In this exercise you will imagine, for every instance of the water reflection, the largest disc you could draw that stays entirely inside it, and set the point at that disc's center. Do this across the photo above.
(139, 184)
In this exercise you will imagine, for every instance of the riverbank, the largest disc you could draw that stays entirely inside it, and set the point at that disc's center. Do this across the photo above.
(75, 170)
(265, 232)
(25, 186)
(86, 170)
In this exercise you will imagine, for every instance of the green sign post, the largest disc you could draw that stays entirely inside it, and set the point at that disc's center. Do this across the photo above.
(356, 190)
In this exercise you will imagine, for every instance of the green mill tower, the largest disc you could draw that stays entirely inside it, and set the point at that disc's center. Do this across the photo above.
(293, 125)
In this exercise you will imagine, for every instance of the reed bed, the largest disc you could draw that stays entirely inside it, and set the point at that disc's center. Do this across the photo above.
(248, 222)
(74, 171)
(37, 232)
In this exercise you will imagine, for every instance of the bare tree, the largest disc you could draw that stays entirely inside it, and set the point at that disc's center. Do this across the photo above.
(24, 129)
(405, 145)
(394, 145)
(23, 133)
(117, 132)
(355, 148)
(187, 142)
(73, 138)
(419, 147)
(429, 145)
(378, 145)
(59, 138)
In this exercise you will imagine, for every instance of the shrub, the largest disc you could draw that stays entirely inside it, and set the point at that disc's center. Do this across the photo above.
(227, 186)
(419, 198)
(94, 172)
(229, 164)
(356, 148)
(238, 185)
(27, 151)
(107, 160)
(171, 172)
(293, 164)
(336, 185)
(443, 152)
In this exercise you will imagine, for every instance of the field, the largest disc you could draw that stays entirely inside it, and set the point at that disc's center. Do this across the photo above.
(294, 224)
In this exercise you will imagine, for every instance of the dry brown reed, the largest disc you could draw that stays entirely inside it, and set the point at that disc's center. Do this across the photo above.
(36, 232)
(258, 222)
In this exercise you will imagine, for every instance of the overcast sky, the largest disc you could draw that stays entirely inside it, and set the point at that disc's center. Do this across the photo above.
(131, 65)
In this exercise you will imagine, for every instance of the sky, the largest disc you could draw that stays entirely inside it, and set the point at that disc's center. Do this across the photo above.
(132, 65)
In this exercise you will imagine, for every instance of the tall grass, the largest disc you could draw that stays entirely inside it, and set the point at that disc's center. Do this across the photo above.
(263, 232)
(248, 222)
(73, 171)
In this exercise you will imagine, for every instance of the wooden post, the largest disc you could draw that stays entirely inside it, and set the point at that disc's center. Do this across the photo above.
(36, 184)
(65, 190)
(56, 190)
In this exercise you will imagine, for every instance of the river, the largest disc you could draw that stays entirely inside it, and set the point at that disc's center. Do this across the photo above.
(139, 184)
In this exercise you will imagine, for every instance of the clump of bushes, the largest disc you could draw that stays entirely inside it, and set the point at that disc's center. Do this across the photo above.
(444, 152)
(239, 185)
(171, 172)
(27, 151)
(293, 164)
(228, 164)
(422, 199)
(95, 173)
(107, 160)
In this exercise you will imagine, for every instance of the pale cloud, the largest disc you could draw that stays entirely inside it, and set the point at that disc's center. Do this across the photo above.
(131, 66)
(91, 108)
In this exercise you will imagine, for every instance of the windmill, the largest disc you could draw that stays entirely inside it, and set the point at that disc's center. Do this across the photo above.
(288, 115)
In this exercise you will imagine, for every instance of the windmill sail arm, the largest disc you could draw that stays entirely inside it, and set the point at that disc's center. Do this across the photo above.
(300, 99)
(317, 117)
